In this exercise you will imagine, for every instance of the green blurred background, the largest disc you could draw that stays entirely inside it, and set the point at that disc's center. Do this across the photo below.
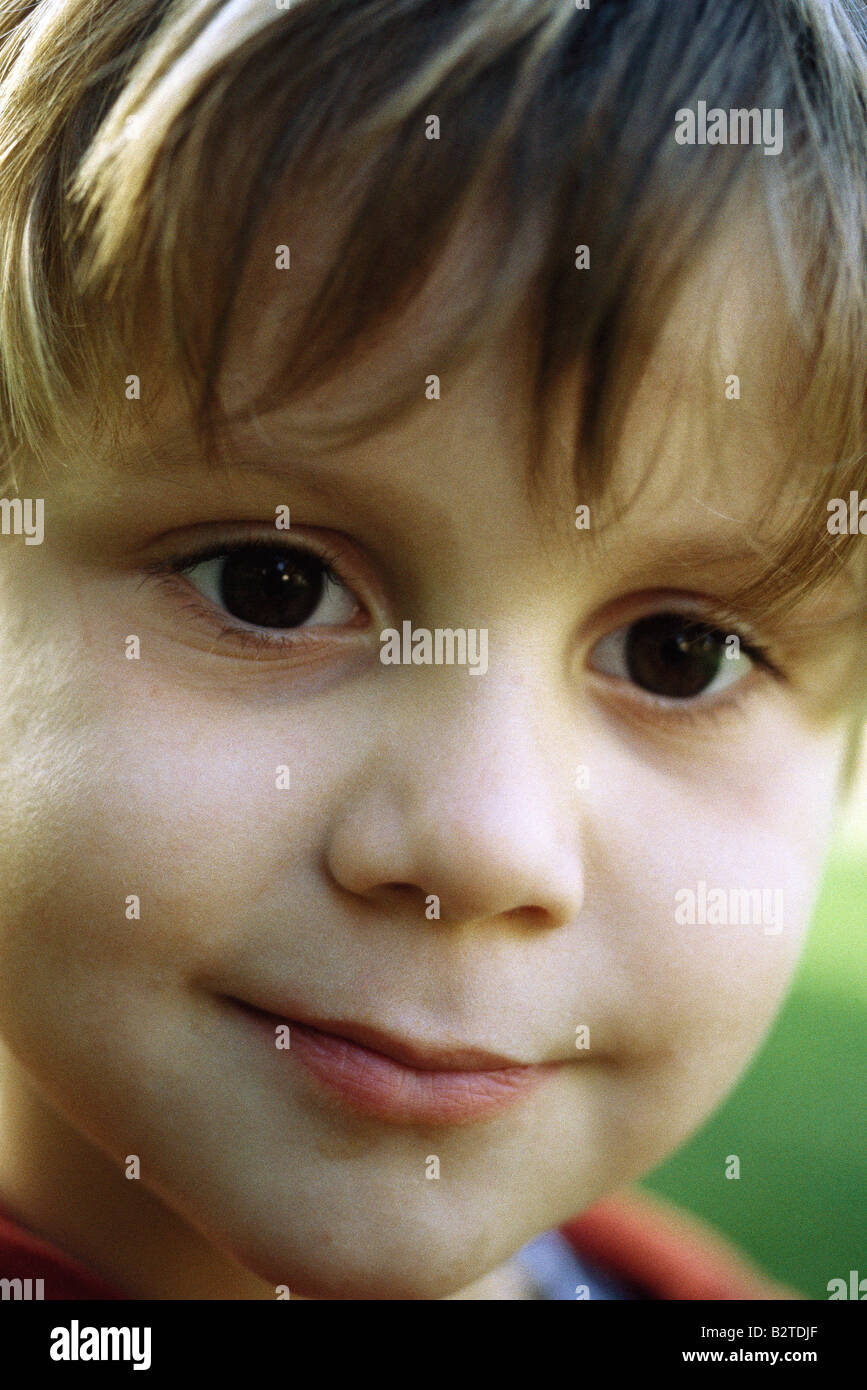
(798, 1118)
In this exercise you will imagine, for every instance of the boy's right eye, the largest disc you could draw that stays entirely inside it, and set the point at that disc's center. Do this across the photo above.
(270, 586)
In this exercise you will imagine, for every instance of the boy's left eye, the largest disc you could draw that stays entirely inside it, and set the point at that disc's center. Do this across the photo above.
(674, 656)
(274, 587)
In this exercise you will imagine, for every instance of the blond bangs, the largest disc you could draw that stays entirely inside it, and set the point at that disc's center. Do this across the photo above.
(142, 144)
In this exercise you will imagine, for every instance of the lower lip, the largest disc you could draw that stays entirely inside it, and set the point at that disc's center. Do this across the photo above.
(390, 1090)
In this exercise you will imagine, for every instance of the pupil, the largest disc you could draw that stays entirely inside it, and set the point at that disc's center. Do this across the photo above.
(670, 655)
(271, 587)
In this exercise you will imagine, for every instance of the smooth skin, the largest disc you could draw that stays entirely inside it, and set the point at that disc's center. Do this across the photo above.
(156, 777)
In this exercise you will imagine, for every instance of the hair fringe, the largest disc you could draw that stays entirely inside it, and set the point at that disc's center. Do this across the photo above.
(142, 143)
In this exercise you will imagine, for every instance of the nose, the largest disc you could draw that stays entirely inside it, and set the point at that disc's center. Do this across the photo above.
(465, 795)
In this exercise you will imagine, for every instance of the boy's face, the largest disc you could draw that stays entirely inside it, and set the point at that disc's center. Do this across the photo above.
(563, 893)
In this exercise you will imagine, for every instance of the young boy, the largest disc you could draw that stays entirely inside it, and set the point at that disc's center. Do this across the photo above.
(430, 638)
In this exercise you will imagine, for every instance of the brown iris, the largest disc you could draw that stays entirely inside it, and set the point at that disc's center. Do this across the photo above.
(674, 656)
(271, 587)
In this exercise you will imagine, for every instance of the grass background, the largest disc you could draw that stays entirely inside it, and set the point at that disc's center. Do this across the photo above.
(798, 1118)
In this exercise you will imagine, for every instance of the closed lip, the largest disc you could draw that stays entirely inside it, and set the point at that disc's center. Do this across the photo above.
(408, 1052)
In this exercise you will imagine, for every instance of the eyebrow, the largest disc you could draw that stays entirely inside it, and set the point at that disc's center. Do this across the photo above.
(329, 474)
(174, 445)
(750, 569)
(691, 553)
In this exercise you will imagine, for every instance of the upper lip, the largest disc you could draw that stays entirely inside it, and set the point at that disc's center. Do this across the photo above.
(421, 1056)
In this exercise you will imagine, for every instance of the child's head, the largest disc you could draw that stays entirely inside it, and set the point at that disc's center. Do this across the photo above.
(326, 257)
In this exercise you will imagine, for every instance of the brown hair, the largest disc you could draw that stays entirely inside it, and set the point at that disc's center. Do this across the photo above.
(142, 142)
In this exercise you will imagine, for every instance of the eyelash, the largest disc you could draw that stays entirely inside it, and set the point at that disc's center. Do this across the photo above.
(164, 573)
(705, 714)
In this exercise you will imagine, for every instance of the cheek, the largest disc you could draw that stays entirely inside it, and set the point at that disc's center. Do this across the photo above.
(172, 802)
(709, 911)
(140, 830)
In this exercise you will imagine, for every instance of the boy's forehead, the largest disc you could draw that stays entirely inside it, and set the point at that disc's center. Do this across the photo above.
(721, 323)
(294, 257)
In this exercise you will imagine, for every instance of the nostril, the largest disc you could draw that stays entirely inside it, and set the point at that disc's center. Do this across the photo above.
(530, 916)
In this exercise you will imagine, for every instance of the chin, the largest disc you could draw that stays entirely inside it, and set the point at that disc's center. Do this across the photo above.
(361, 1273)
